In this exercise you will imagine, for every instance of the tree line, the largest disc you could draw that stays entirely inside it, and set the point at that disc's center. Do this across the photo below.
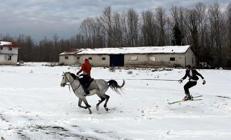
(206, 28)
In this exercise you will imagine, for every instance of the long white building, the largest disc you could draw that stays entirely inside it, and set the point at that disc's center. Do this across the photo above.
(168, 56)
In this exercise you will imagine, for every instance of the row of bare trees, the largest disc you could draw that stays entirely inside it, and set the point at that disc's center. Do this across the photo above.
(206, 29)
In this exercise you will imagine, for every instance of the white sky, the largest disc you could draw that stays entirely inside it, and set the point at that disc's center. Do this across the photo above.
(40, 18)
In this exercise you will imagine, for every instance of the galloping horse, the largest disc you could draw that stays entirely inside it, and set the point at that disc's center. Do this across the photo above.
(97, 86)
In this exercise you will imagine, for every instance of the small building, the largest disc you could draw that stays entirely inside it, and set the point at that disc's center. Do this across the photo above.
(169, 56)
(8, 53)
(68, 58)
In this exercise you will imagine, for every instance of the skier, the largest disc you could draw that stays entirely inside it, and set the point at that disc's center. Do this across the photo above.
(192, 73)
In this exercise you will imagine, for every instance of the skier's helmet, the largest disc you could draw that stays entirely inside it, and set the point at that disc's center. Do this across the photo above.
(188, 66)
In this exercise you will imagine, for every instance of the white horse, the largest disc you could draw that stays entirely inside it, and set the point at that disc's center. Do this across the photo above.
(98, 87)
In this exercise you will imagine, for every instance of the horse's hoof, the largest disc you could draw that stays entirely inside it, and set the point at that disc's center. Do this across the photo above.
(89, 111)
(106, 109)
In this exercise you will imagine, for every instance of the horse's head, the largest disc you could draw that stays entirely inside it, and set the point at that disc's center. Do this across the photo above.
(67, 78)
(64, 80)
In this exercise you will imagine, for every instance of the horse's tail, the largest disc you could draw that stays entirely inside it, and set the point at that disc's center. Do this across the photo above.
(115, 86)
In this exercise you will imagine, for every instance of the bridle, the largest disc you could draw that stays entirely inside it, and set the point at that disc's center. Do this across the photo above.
(71, 82)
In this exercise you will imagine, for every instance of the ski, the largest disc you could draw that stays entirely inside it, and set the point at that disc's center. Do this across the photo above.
(195, 98)
(223, 97)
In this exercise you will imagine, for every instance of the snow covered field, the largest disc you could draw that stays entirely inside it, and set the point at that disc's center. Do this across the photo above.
(34, 106)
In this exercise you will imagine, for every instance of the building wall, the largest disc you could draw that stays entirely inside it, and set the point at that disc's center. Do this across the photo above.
(171, 60)
(168, 60)
(138, 59)
(190, 58)
(8, 56)
(155, 59)
(68, 59)
(96, 60)
(8, 59)
(135, 59)
(8, 50)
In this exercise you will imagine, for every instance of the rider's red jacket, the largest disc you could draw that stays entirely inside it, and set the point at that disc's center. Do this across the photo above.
(86, 67)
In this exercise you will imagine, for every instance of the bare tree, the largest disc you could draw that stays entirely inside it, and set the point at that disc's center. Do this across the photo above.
(106, 22)
(228, 13)
(192, 22)
(149, 30)
(216, 25)
(117, 30)
(88, 30)
(161, 23)
(179, 36)
(228, 35)
(203, 46)
(124, 29)
(132, 24)
(27, 44)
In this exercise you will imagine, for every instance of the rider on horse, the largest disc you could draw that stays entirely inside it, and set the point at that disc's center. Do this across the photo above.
(86, 75)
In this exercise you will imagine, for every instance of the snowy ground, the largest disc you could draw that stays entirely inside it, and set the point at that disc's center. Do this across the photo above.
(34, 106)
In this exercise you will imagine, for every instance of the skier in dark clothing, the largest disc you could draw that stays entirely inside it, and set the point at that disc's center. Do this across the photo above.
(192, 73)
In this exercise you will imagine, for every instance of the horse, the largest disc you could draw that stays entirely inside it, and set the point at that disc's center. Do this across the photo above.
(97, 86)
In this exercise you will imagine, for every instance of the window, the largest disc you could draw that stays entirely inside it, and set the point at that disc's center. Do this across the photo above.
(66, 57)
(9, 57)
(1, 48)
(172, 58)
(152, 58)
(103, 58)
(10, 48)
(90, 58)
(134, 58)
(77, 58)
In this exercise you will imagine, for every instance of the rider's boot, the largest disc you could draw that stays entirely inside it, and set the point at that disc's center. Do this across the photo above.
(86, 91)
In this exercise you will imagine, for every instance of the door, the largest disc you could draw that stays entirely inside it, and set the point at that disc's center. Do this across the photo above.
(116, 60)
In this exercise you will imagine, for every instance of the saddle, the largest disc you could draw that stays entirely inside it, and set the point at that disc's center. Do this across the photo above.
(85, 81)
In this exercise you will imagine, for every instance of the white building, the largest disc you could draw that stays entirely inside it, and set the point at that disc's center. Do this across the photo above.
(136, 56)
(8, 53)
(68, 58)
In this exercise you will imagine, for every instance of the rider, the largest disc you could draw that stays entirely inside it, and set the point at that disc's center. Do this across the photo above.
(86, 75)
(192, 73)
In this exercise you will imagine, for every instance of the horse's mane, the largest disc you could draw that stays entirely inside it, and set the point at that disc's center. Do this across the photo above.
(73, 75)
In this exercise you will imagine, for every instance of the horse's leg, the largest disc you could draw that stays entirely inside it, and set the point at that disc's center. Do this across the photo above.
(100, 101)
(98, 93)
(105, 104)
(87, 105)
(80, 104)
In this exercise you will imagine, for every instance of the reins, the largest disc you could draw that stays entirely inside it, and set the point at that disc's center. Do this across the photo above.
(155, 79)
(71, 82)
(147, 79)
